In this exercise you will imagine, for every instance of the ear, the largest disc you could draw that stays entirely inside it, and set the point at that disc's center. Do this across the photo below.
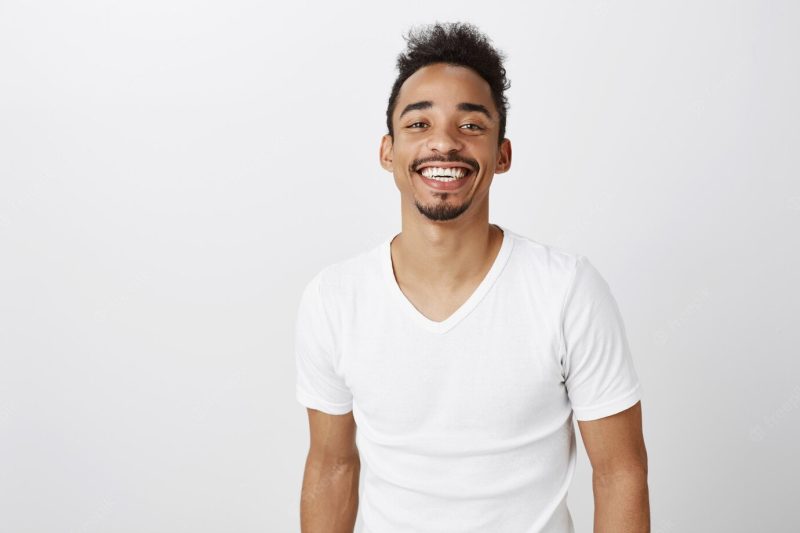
(387, 152)
(503, 157)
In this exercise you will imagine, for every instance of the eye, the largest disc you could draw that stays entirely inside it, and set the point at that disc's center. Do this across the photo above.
(415, 123)
(474, 128)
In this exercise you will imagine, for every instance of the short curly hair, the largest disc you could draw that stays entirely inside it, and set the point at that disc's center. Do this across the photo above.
(455, 43)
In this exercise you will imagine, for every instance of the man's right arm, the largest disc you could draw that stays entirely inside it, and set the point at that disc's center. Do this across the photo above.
(329, 498)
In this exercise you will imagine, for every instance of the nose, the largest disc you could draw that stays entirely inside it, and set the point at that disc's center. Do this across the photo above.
(443, 141)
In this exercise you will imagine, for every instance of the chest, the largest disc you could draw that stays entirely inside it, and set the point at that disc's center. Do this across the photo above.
(438, 306)
(491, 375)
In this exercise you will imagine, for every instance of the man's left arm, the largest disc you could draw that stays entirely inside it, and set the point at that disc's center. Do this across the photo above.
(617, 453)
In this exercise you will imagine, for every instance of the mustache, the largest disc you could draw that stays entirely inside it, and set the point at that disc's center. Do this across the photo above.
(453, 158)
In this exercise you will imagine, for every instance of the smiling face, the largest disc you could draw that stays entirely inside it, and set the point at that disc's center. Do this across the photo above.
(445, 150)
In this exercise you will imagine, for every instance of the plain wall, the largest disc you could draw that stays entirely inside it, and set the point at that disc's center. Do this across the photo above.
(173, 173)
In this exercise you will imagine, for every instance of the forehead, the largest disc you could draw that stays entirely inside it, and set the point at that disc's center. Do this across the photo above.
(445, 85)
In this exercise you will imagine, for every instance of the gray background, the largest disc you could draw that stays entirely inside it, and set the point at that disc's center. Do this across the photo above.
(173, 173)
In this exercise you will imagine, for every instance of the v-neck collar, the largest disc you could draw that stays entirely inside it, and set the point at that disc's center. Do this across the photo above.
(474, 299)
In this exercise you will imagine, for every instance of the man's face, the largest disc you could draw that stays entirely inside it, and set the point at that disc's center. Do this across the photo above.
(445, 151)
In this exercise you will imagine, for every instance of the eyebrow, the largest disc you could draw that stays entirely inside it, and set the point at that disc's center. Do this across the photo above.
(463, 106)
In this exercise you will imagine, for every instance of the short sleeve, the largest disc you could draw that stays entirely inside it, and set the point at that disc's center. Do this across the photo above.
(318, 384)
(597, 365)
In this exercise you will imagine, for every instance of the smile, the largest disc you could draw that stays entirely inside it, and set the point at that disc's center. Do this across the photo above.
(444, 174)
(444, 178)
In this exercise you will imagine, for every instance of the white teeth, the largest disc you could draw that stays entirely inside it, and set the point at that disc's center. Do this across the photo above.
(443, 174)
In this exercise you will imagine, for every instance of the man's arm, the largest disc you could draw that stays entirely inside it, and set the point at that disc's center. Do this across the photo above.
(329, 498)
(616, 450)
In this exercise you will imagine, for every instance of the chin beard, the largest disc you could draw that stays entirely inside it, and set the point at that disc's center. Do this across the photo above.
(442, 211)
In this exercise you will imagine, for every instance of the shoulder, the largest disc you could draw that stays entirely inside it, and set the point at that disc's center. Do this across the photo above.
(343, 278)
(552, 263)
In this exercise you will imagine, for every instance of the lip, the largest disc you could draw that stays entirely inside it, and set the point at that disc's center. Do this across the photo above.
(446, 185)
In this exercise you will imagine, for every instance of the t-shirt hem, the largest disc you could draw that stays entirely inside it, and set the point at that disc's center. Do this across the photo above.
(308, 400)
(609, 408)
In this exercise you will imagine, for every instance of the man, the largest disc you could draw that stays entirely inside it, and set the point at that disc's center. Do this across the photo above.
(459, 349)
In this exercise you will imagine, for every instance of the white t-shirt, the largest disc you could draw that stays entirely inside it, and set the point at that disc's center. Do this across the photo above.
(466, 425)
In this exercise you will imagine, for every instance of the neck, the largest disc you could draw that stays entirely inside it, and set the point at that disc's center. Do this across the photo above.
(445, 255)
